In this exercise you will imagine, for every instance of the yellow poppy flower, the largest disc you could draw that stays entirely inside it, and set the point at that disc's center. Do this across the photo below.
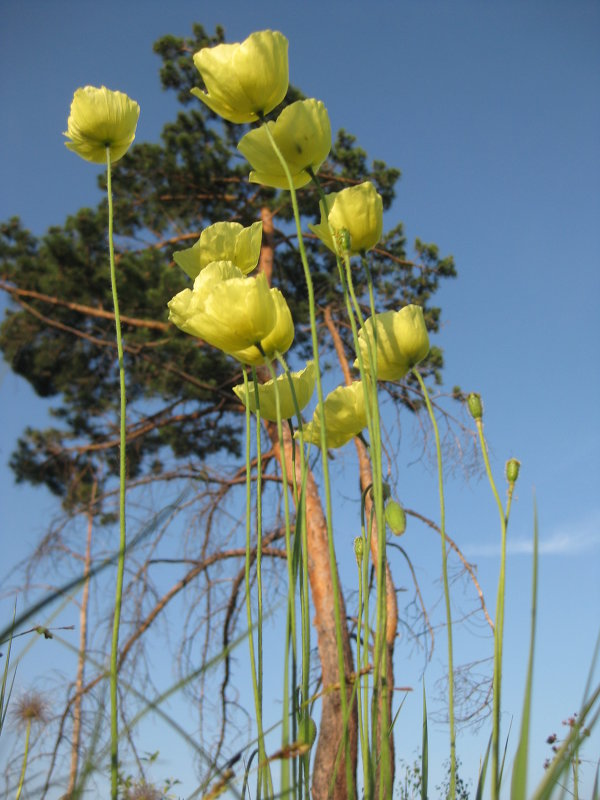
(304, 386)
(99, 119)
(244, 81)
(402, 342)
(358, 210)
(302, 132)
(345, 416)
(223, 241)
(224, 308)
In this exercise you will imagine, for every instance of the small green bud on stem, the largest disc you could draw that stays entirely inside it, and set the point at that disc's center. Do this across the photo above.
(512, 470)
(395, 518)
(475, 405)
(358, 550)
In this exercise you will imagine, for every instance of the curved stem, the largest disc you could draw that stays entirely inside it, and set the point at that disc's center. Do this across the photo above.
(114, 713)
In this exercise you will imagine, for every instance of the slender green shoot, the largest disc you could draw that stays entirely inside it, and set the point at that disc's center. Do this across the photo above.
(114, 654)
(483, 772)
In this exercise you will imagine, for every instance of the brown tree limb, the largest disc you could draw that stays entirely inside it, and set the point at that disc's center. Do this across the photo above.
(88, 311)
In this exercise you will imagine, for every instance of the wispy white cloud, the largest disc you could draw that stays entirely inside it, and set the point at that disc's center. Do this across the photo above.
(567, 539)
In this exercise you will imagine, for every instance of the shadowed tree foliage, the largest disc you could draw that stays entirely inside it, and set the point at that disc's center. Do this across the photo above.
(59, 331)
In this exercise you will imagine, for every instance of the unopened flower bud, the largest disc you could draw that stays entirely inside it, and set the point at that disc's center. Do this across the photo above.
(512, 470)
(475, 405)
(395, 518)
(358, 550)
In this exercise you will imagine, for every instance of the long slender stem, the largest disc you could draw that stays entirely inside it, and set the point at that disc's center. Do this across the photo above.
(438, 447)
(114, 712)
(499, 622)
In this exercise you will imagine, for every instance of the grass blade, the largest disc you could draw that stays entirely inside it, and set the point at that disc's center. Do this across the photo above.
(519, 776)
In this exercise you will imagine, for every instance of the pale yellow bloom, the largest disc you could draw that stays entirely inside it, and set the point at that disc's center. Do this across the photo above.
(247, 80)
(357, 210)
(345, 416)
(402, 342)
(99, 119)
(224, 308)
(304, 386)
(278, 340)
(223, 241)
(302, 132)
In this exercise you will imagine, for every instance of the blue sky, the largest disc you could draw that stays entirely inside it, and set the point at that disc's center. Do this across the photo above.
(491, 111)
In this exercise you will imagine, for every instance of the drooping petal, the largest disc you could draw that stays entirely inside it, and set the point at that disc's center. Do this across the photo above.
(278, 340)
(302, 132)
(304, 385)
(345, 416)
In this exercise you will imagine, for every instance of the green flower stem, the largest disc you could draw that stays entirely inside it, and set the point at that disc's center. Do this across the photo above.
(326, 480)
(499, 621)
(24, 766)
(290, 636)
(262, 758)
(452, 792)
(114, 711)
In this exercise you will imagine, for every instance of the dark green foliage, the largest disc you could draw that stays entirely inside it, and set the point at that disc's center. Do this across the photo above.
(59, 334)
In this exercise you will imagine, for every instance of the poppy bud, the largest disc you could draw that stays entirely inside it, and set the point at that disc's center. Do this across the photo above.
(475, 405)
(359, 550)
(512, 470)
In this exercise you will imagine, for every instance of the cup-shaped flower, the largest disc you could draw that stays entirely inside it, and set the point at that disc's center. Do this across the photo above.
(224, 308)
(244, 81)
(345, 416)
(302, 133)
(223, 241)
(402, 342)
(304, 386)
(99, 119)
(278, 340)
(357, 210)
